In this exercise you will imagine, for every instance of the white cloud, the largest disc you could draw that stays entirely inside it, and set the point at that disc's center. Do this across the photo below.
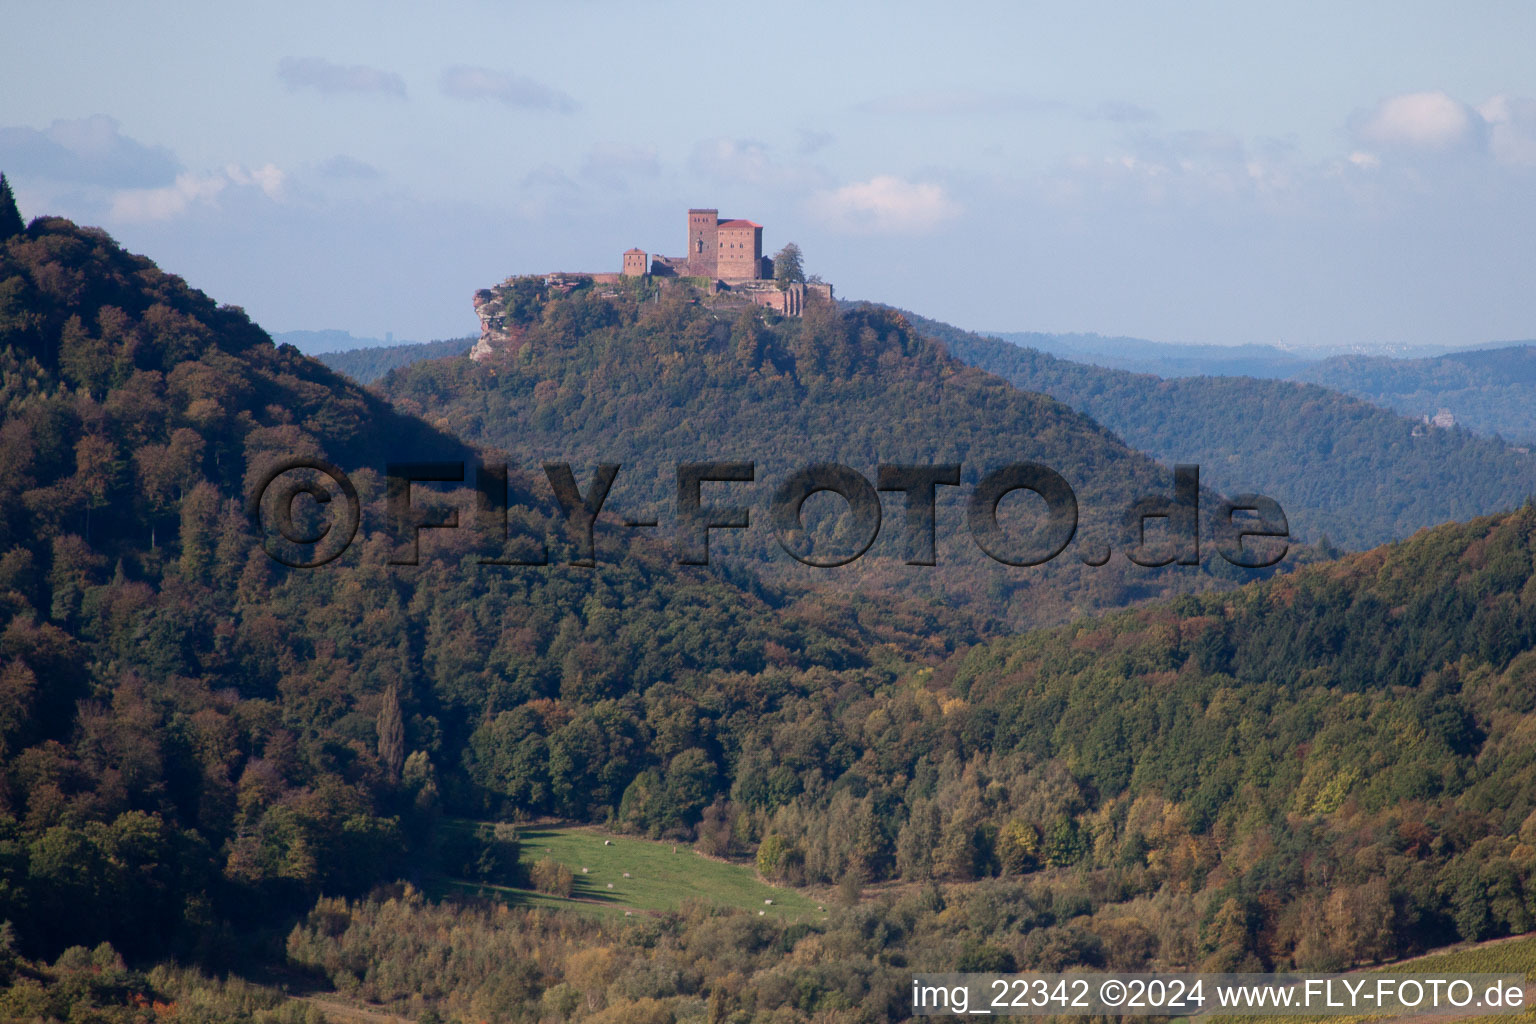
(88, 150)
(1512, 129)
(144, 204)
(470, 83)
(189, 190)
(1189, 169)
(885, 204)
(268, 178)
(748, 162)
(319, 73)
(1421, 120)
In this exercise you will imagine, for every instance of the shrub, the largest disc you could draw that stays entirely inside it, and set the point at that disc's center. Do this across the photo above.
(552, 877)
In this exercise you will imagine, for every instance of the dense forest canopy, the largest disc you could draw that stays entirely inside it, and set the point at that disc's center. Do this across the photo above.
(1336, 460)
(593, 380)
(190, 731)
(209, 758)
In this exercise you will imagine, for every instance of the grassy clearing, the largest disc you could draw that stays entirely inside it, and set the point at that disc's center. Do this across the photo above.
(659, 879)
(1501, 956)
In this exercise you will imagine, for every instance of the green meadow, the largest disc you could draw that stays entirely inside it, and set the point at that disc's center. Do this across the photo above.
(660, 876)
(1501, 956)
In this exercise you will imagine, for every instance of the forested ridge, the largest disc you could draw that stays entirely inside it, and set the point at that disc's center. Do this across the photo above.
(1487, 390)
(209, 761)
(650, 385)
(1341, 467)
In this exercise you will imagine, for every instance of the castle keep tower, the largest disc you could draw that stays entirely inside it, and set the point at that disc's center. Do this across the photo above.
(727, 251)
(741, 250)
(703, 243)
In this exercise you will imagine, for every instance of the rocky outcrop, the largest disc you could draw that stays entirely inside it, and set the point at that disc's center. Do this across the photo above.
(493, 325)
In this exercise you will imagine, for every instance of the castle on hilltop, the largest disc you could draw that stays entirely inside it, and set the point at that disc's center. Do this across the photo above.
(729, 255)
(723, 250)
(724, 260)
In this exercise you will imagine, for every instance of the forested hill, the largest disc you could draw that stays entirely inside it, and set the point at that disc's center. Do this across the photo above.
(195, 741)
(196, 744)
(1332, 763)
(1340, 467)
(651, 385)
(1314, 770)
(1490, 391)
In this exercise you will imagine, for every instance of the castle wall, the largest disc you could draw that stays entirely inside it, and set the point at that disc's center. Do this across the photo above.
(789, 301)
(669, 266)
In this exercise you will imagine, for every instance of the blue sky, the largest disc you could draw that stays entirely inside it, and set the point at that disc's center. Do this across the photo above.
(1304, 174)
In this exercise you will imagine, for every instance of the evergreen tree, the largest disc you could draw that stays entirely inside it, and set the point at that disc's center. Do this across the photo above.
(391, 729)
(10, 217)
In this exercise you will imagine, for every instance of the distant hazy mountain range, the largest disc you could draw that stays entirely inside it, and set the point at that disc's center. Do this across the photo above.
(366, 365)
(312, 343)
(1340, 465)
(1489, 390)
(1163, 358)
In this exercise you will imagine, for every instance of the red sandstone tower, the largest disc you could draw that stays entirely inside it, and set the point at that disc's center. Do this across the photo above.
(741, 250)
(703, 243)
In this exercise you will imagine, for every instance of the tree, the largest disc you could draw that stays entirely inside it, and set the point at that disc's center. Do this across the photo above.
(1018, 847)
(689, 783)
(1064, 843)
(10, 217)
(552, 877)
(789, 266)
(391, 728)
(1229, 938)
